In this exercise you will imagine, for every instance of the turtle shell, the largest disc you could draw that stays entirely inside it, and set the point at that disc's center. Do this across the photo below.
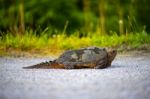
(83, 56)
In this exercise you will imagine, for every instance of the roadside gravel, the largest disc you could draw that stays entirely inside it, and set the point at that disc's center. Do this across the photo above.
(127, 78)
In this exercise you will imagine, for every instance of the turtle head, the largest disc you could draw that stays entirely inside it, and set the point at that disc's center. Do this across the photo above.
(111, 55)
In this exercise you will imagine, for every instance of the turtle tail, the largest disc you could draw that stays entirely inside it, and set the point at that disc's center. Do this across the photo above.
(45, 65)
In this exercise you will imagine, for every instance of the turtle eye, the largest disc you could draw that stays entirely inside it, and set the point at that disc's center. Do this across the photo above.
(113, 51)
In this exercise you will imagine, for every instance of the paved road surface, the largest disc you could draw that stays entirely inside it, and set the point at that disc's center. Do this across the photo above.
(128, 78)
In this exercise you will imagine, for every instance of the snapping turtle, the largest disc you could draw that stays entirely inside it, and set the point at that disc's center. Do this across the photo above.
(90, 57)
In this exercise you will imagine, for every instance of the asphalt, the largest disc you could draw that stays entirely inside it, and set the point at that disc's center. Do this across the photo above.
(127, 78)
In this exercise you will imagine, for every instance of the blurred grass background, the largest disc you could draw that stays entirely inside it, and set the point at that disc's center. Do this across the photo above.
(49, 26)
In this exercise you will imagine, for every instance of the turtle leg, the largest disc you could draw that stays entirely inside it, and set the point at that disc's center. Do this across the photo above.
(101, 64)
(68, 65)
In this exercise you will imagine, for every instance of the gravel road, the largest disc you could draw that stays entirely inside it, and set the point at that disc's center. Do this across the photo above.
(127, 78)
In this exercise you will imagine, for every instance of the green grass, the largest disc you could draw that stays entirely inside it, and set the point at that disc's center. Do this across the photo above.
(44, 44)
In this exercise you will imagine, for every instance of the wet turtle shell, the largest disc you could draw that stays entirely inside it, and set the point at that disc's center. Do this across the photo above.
(82, 58)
